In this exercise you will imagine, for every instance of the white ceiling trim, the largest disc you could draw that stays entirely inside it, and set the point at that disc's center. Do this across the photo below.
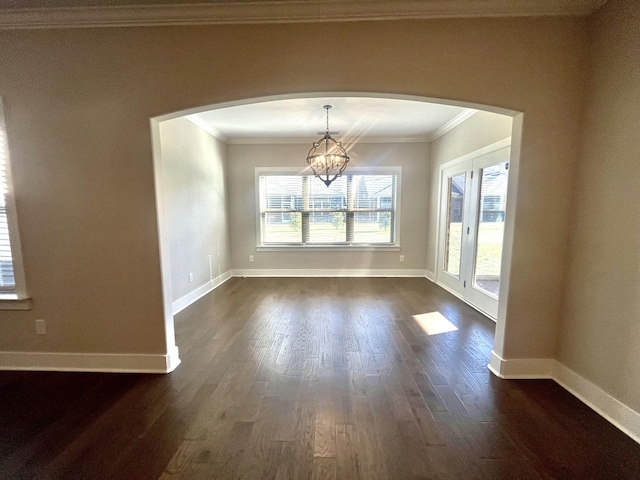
(308, 140)
(211, 130)
(451, 124)
(285, 11)
(454, 122)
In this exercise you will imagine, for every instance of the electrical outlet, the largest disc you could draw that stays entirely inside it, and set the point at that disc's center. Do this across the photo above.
(41, 327)
(401, 258)
(191, 276)
(250, 258)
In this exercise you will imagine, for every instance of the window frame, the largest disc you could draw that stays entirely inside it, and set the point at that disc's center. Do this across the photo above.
(15, 298)
(281, 171)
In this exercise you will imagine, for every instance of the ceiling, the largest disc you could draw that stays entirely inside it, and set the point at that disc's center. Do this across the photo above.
(351, 119)
(30, 14)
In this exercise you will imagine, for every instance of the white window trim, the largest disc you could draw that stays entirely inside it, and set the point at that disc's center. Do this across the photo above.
(381, 170)
(16, 299)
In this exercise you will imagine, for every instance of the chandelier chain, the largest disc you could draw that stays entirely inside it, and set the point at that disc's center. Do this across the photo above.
(327, 120)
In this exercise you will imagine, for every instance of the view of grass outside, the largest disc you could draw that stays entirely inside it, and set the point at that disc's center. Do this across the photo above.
(367, 231)
(488, 256)
(489, 248)
(327, 230)
(322, 230)
(452, 262)
(282, 228)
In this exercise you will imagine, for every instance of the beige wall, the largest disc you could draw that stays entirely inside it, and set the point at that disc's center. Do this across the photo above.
(78, 102)
(480, 130)
(195, 195)
(412, 157)
(600, 336)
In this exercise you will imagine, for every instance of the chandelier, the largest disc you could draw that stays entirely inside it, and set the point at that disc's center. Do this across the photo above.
(330, 161)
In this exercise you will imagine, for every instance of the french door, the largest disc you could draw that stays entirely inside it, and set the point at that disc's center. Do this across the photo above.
(472, 214)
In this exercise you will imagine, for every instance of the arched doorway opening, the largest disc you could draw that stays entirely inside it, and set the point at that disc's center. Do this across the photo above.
(177, 278)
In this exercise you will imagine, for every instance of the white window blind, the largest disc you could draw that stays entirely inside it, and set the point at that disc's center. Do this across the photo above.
(7, 277)
(353, 210)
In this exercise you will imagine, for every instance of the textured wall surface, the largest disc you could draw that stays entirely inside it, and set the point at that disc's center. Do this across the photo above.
(195, 194)
(600, 337)
(78, 103)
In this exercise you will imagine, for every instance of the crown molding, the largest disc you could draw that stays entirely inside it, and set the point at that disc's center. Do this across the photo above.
(284, 11)
(197, 120)
(346, 141)
(230, 140)
(451, 124)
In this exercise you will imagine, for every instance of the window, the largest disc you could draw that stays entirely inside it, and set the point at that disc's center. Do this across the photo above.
(7, 277)
(355, 210)
(11, 275)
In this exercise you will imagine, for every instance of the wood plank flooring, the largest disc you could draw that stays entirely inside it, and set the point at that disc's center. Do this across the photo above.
(310, 378)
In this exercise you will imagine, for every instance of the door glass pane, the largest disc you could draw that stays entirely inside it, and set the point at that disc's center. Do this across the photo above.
(455, 210)
(493, 200)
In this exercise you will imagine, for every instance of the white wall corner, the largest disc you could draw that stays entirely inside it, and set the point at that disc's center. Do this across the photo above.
(616, 412)
(172, 359)
(521, 368)
(430, 276)
(199, 292)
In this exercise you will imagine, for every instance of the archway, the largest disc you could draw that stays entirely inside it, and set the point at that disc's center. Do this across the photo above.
(162, 214)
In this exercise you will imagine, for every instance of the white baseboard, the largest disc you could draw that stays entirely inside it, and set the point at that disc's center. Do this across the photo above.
(521, 368)
(173, 359)
(90, 362)
(610, 408)
(430, 275)
(450, 290)
(607, 406)
(457, 295)
(199, 292)
(327, 272)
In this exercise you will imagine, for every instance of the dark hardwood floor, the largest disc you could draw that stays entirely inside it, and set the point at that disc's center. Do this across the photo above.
(310, 379)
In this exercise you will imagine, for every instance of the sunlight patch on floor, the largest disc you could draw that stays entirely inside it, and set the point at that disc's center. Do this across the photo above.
(434, 323)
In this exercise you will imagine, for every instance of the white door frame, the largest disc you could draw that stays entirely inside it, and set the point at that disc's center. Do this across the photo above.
(469, 222)
(475, 296)
(445, 279)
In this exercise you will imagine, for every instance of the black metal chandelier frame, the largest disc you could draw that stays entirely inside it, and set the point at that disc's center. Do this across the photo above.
(329, 162)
